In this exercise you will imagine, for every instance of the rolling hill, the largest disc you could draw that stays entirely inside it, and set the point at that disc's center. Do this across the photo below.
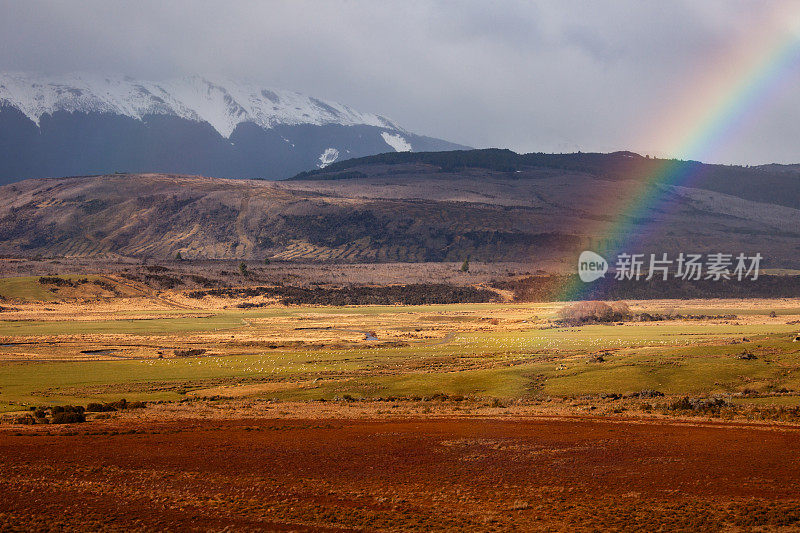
(423, 207)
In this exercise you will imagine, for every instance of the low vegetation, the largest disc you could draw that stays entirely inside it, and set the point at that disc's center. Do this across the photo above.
(548, 287)
(72, 414)
(594, 313)
(190, 352)
(412, 294)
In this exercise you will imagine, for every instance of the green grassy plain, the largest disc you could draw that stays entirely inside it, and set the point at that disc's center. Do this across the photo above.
(28, 288)
(529, 359)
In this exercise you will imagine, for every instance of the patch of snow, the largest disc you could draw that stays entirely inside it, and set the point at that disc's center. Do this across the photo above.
(327, 157)
(223, 104)
(396, 141)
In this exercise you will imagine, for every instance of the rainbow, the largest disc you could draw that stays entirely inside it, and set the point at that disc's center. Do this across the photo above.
(701, 123)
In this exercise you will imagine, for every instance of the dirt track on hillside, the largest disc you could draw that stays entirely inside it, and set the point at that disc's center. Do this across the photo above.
(416, 474)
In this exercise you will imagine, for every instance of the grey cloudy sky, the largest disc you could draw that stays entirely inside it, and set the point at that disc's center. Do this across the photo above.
(551, 76)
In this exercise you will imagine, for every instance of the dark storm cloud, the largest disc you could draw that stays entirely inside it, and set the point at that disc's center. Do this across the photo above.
(548, 76)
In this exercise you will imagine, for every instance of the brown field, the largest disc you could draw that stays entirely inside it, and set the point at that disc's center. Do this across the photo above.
(407, 474)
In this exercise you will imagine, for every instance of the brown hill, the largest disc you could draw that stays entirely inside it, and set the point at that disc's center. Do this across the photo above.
(387, 212)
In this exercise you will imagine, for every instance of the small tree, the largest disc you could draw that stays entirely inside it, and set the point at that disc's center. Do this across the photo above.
(243, 269)
(267, 261)
(178, 257)
(465, 265)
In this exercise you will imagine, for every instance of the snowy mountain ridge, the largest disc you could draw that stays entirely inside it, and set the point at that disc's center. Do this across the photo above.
(224, 105)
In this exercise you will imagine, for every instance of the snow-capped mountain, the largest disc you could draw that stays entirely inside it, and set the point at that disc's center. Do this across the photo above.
(90, 123)
(193, 98)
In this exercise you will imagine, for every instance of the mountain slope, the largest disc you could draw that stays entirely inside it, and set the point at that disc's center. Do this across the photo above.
(81, 124)
(777, 184)
(410, 211)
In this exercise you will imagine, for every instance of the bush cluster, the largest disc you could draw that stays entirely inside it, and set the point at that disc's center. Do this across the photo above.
(411, 294)
(72, 414)
(707, 406)
(119, 405)
(61, 282)
(594, 312)
(67, 414)
(190, 352)
(68, 418)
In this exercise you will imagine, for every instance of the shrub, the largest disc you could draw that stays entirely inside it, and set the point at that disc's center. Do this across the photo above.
(27, 420)
(650, 393)
(681, 405)
(68, 418)
(191, 352)
(58, 409)
(621, 308)
(55, 280)
(591, 312)
(706, 406)
(119, 405)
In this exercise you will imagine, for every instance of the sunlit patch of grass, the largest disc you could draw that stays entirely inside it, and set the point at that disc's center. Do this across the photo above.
(739, 311)
(158, 326)
(689, 376)
(493, 383)
(28, 288)
(782, 400)
(603, 337)
(25, 288)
